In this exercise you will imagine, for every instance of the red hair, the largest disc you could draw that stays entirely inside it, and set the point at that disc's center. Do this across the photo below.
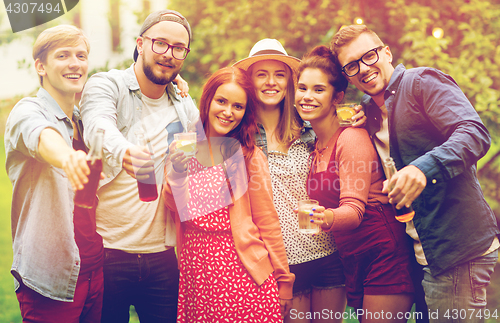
(245, 131)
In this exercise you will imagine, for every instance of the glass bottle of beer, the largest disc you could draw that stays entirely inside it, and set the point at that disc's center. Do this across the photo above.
(148, 191)
(405, 214)
(86, 197)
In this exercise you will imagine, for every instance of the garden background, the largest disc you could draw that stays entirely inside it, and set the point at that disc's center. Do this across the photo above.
(461, 38)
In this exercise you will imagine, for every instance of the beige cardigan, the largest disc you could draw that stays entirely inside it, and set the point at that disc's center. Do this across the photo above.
(254, 224)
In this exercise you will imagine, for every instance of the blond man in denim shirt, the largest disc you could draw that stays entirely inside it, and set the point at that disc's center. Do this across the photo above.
(44, 170)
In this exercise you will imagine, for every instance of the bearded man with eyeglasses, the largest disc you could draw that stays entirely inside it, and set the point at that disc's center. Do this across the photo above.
(140, 266)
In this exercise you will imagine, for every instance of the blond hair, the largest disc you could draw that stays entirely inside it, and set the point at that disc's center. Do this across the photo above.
(348, 34)
(55, 37)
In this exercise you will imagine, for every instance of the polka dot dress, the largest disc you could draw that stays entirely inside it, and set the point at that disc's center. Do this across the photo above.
(214, 286)
(288, 175)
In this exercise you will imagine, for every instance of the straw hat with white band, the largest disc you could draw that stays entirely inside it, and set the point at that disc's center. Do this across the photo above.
(268, 49)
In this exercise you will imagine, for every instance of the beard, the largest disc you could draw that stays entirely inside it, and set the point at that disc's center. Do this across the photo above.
(160, 80)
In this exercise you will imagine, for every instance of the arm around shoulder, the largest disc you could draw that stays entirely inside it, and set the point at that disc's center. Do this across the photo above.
(193, 113)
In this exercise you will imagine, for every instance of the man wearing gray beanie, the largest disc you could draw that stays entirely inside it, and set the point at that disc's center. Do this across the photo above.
(140, 266)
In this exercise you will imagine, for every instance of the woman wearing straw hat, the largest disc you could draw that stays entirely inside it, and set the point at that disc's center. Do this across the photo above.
(288, 141)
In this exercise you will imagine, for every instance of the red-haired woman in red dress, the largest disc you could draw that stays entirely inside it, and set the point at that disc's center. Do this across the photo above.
(233, 264)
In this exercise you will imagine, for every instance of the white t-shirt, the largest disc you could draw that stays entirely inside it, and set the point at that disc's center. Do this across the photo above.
(381, 140)
(123, 220)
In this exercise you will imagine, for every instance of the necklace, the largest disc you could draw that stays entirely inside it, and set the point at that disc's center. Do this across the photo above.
(320, 151)
(210, 150)
(329, 143)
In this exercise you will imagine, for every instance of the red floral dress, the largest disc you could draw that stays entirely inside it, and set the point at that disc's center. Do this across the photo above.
(214, 286)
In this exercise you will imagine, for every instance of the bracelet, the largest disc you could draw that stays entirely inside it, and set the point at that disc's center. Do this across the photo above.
(328, 226)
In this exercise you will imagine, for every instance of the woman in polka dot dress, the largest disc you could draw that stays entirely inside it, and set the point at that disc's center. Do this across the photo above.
(288, 141)
(233, 265)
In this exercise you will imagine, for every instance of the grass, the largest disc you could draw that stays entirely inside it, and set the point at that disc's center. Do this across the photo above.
(9, 306)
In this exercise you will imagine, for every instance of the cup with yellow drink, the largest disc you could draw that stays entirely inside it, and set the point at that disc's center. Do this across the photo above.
(345, 111)
(186, 141)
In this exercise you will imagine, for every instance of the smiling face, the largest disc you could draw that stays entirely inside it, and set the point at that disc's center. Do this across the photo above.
(227, 109)
(161, 69)
(314, 97)
(270, 79)
(65, 71)
(374, 79)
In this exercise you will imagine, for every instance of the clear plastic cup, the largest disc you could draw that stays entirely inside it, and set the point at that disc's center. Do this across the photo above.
(305, 224)
(186, 141)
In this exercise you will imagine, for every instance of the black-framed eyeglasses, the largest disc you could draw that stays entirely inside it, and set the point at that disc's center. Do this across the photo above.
(369, 58)
(161, 47)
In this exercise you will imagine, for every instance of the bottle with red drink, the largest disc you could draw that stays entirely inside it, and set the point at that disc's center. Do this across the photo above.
(86, 197)
(148, 191)
(405, 214)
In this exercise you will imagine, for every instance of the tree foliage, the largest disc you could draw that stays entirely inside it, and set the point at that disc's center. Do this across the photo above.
(225, 31)
(469, 50)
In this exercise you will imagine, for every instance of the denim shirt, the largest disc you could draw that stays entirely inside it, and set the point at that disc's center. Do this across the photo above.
(46, 257)
(433, 126)
(307, 135)
(112, 101)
